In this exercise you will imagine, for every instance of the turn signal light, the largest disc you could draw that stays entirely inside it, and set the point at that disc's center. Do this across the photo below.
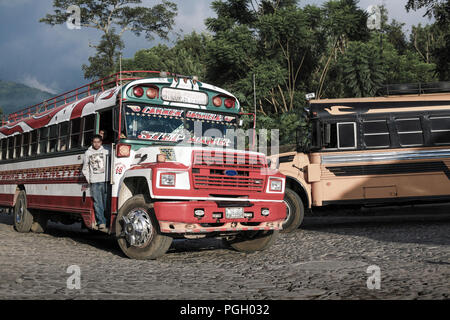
(123, 150)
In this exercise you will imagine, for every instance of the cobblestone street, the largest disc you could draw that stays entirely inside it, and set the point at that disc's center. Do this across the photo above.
(327, 259)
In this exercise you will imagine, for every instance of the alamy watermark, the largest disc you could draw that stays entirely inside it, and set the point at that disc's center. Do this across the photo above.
(374, 280)
(74, 20)
(74, 280)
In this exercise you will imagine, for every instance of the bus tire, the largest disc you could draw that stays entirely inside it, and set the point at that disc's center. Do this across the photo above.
(295, 211)
(155, 244)
(40, 222)
(23, 219)
(252, 241)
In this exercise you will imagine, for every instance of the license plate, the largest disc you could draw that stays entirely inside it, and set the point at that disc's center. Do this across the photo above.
(234, 213)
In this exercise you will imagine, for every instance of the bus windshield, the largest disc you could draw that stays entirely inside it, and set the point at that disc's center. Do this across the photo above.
(177, 125)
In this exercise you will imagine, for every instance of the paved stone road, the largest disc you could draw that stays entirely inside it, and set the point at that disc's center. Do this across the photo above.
(328, 259)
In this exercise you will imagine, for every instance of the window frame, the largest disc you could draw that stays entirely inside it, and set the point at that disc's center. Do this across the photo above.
(437, 131)
(377, 134)
(399, 133)
(338, 124)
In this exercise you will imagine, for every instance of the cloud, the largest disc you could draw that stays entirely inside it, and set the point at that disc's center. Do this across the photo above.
(14, 3)
(32, 82)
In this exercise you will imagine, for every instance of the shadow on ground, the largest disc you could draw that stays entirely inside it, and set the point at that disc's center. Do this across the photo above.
(385, 223)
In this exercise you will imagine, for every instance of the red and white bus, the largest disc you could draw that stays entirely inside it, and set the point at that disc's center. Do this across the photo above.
(163, 183)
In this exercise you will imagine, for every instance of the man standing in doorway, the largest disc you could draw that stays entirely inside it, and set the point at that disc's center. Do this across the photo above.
(95, 169)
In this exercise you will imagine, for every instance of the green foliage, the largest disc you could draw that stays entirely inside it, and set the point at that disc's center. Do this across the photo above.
(439, 47)
(108, 15)
(362, 69)
(187, 57)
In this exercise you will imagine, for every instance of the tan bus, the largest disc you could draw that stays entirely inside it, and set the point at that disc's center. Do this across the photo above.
(370, 151)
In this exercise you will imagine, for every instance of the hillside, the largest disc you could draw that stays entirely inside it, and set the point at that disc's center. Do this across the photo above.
(16, 96)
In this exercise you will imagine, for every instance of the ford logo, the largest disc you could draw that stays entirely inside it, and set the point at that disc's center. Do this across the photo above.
(231, 173)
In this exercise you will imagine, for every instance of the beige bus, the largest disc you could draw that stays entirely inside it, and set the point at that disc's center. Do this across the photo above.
(370, 151)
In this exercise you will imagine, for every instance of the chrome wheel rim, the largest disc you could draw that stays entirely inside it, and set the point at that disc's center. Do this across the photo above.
(288, 211)
(138, 227)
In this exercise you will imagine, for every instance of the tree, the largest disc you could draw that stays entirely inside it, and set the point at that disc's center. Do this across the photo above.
(440, 10)
(187, 57)
(113, 18)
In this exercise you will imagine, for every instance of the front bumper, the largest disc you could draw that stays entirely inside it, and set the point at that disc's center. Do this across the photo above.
(178, 217)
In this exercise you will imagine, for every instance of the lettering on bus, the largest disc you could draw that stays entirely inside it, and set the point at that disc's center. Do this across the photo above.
(175, 137)
(157, 111)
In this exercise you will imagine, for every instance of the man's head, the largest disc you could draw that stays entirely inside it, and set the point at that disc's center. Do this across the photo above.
(97, 141)
(103, 134)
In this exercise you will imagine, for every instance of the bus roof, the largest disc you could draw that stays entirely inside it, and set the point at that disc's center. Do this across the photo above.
(102, 94)
(379, 105)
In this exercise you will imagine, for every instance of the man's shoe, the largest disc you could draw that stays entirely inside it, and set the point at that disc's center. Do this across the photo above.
(103, 228)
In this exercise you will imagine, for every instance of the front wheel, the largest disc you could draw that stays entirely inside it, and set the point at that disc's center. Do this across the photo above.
(295, 211)
(252, 241)
(137, 233)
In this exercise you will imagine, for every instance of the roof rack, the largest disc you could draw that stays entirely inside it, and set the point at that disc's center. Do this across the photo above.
(100, 85)
(415, 88)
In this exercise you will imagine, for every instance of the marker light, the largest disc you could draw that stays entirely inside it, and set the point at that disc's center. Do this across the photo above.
(199, 213)
(123, 150)
(217, 101)
(229, 103)
(248, 215)
(152, 93)
(265, 212)
(138, 92)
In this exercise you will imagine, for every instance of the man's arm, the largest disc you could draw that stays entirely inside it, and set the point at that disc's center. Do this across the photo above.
(86, 167)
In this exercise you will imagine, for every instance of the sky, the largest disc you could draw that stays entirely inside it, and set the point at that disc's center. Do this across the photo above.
(50, 58)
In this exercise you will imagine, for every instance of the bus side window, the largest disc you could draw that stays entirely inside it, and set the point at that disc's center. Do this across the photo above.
(43, 140)
(330, 140)
(34, 143)
(18, 146)
(4, 148)
(376, 134)
(346, 135)
(26, 145)
(88, 130)
(53, 138)
(75, 133)
(10, 148)
(410, 132)
(440, 130)
(63, 136)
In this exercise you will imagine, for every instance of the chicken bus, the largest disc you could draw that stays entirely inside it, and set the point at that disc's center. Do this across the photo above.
(392, 149)
(171, 171)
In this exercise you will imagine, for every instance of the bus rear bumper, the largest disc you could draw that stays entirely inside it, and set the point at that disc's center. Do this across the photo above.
(178, 217)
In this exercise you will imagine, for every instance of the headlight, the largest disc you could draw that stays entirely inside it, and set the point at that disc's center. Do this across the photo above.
(168, 179)
(276, 185)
